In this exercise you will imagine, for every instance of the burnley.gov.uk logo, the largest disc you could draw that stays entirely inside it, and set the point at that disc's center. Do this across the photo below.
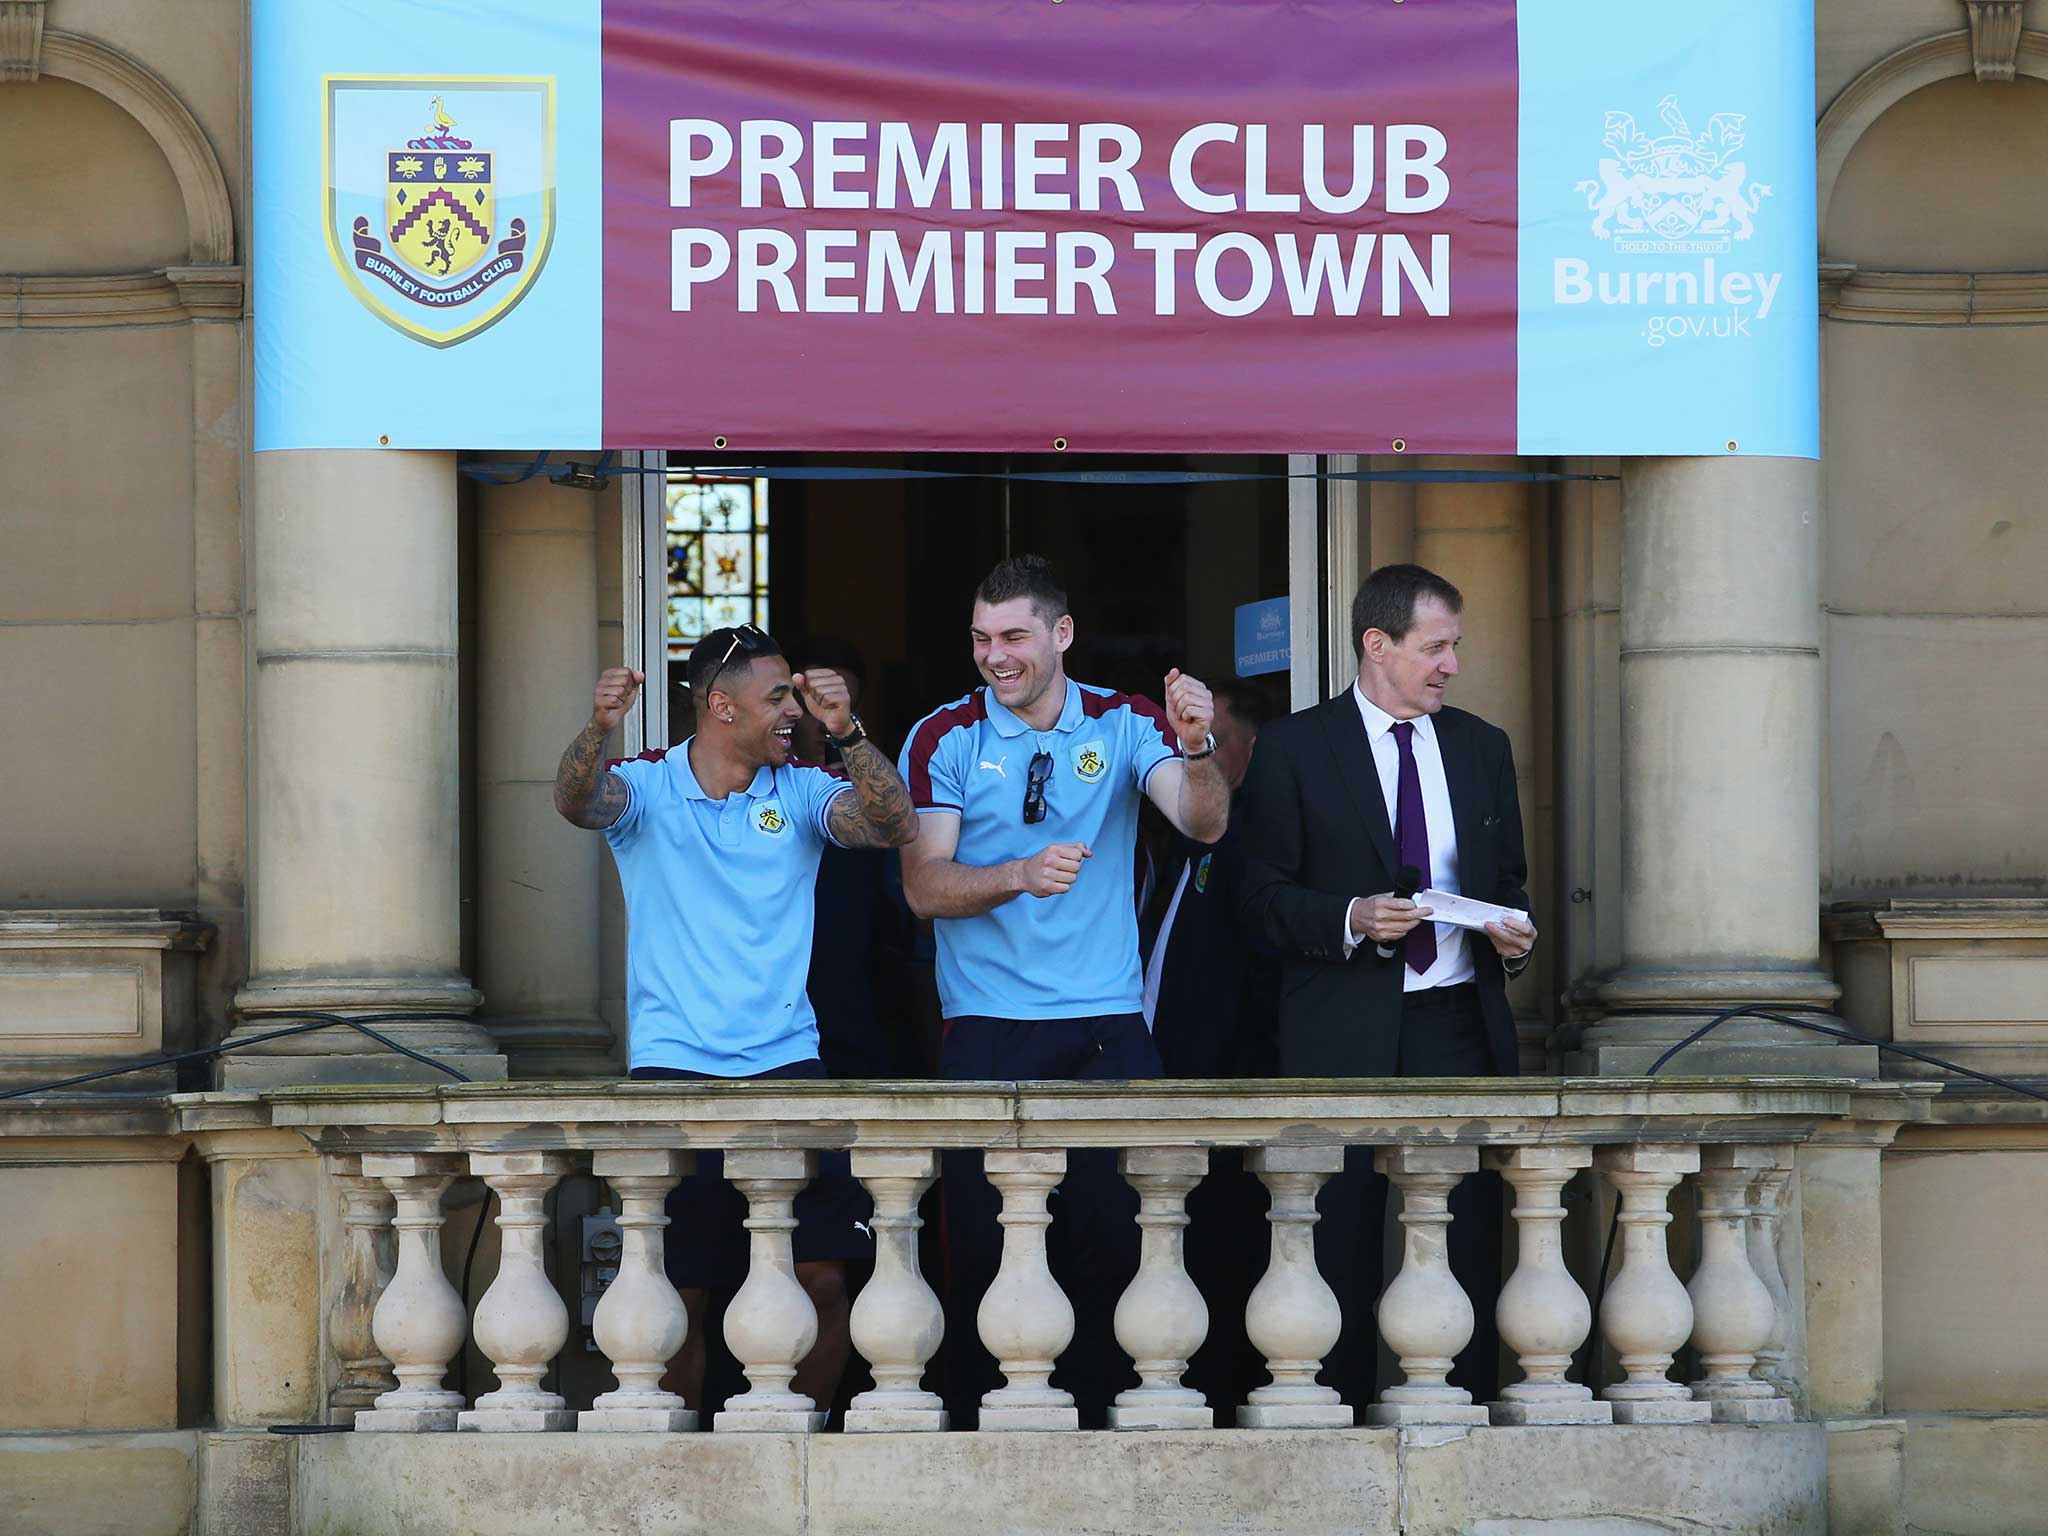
(440, 195)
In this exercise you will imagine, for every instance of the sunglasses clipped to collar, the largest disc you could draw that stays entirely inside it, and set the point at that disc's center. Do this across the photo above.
(1035, 777)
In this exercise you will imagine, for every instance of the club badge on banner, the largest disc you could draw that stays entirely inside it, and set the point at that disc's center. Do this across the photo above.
(1495, 226)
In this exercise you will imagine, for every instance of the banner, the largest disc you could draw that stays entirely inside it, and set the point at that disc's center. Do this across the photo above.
(1104, 226)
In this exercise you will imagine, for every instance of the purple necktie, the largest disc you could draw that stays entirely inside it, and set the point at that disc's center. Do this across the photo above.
(1411, 834)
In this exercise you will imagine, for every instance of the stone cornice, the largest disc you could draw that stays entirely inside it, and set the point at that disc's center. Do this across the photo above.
(168, 297)
(1980, 918)
(209, 292)
(1853, 294)
(100, 928)
(21, 39)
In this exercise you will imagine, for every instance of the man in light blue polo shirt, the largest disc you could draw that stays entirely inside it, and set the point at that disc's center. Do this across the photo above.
(1027, 794)
(717, 844)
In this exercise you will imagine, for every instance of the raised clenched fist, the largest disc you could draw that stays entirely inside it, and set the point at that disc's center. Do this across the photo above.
(826, 696)
(616, 689)
(1191, 709)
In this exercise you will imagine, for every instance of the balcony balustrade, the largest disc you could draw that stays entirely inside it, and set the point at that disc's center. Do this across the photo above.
(399, 1322)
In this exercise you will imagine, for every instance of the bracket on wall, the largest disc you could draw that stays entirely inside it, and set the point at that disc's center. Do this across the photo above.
(21, 39)
(1994, 37)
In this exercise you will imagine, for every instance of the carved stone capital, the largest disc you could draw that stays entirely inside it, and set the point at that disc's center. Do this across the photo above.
(21, 39)
(1994, 37)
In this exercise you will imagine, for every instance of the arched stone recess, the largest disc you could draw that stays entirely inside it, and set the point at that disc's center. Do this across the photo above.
(143, 95)
(1940, 298)
(210, 286)
(1890, 81)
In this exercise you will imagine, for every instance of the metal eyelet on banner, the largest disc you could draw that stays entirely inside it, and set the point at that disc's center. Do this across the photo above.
(383, 440)
(1731, 445)
(1400, 445)
(718, 442)
(1059, 445)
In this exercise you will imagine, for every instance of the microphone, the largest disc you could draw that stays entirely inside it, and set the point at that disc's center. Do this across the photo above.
(1407, 881)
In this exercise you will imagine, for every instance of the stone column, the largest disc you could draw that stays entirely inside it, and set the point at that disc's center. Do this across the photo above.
(1479, 538)
(1733, 1312)
(354, 794)
(1722, 722)
(369, 1254)
(1025, 1319)
(1293, 1316)
(640, 1322)
(1647, 1314)
(521, 1323)
(770, 1324)
(897, 1321)
(1542, 1313)
(537, 876)
(419, 1322)
(1425, 1315)
(1161, 1318)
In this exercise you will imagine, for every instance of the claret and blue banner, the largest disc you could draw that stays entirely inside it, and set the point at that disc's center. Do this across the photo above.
(1425, 226)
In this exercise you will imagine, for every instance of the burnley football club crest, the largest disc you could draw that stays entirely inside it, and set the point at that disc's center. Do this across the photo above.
(440, 196)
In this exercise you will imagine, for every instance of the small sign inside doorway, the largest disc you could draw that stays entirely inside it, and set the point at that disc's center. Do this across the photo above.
(1262, 637)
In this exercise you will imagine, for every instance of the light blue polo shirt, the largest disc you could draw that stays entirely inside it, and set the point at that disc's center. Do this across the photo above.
(1055, 957)
(719, 904)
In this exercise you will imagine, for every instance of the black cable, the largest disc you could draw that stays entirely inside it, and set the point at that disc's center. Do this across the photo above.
(1763, 1011)
(319, 1021)
(468, 1259)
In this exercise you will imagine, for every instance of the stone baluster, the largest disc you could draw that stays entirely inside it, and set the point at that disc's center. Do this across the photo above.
(419, 1321)
(1425, 1315)
(1025, 1319)
(640, 1321)
(770, 1324)
(1647, 1315)
(1161, 1318)
(1543, 1315)
(897, 1320)
(1766, 1209)
(521, 1322)
(1293, 1318)
(368, 1256)
(1733, 1314)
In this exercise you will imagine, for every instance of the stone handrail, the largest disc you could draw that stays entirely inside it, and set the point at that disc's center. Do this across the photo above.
(393, 1152)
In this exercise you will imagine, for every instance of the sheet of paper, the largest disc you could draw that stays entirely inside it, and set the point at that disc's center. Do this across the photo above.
(1463, 911)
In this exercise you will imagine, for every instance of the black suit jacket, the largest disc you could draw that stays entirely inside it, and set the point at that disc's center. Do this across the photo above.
(1219, 985)
(1318, 832)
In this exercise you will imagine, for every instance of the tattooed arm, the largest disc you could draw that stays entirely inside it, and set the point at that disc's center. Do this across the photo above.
(585, 794)
(878, 814)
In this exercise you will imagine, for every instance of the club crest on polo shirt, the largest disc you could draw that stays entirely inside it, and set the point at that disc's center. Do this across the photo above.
(768, 818)
(1091, 761)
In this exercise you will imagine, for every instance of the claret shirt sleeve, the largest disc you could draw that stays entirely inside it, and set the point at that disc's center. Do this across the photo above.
(640, 774)
(1150, 740)
(816, 789)
(931, 765)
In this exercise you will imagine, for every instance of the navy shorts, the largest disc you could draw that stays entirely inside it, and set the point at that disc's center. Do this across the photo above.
(707, 1235)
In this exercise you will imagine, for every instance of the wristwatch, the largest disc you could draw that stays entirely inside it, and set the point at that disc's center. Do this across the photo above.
(1208, 749)
(853, 738)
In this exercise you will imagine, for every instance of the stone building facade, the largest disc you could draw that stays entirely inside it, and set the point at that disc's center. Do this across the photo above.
(279, 731)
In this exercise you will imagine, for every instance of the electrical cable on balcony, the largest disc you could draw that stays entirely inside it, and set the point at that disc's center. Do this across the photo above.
(1777, 1016)
(318, 1021)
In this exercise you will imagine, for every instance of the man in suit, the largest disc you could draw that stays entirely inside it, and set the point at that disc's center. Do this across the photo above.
(1339, 799)
(1211, 991)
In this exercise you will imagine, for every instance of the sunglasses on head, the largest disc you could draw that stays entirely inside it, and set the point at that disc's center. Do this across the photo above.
(1035, 777)
(748, 637)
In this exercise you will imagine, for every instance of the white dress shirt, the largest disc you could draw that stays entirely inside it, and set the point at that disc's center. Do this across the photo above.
(1155, 968)
(1453, 959)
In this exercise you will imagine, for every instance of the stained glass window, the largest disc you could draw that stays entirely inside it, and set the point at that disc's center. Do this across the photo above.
(717, 534)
